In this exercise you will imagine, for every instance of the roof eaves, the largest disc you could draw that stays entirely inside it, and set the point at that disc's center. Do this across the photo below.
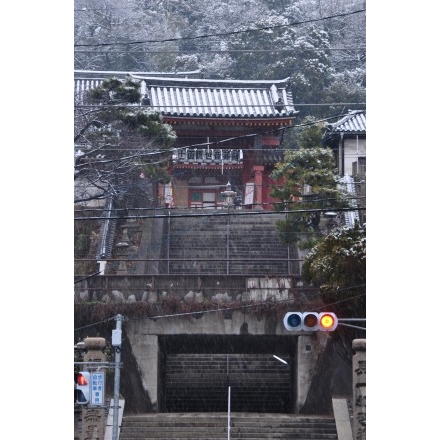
(202, 82)
(354, 123)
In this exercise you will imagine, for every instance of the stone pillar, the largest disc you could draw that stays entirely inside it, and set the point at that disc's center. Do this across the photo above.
(258, 170)
(146, 349)
(93, 417)
(359, 389)
(307, 353)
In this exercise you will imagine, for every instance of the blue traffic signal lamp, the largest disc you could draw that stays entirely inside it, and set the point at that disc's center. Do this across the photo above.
(310, 321)
(83, 387)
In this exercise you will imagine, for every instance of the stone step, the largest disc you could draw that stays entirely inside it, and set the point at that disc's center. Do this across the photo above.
(202, 246)
(213, 426)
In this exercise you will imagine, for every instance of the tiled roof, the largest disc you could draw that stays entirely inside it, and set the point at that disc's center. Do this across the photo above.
(204, 98)
(354, 122)
(102, 74)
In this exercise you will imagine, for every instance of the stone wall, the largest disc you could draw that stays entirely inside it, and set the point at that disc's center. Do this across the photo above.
(131, 288)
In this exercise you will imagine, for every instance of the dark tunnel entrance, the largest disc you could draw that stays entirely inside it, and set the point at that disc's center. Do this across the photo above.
(197, 372)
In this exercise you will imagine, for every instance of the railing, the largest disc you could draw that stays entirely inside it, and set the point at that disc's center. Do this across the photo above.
(238, 265)
(209, 155)
(229, 413)
(350, 216)
(107, 231)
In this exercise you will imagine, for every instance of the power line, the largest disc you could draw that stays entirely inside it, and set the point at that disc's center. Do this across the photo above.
(224, 309)
(88, 106)
(227, 213)
(218, 186)
(225, 51)
(221, 34)
(96, 323)
(87, 277)
(230, 139)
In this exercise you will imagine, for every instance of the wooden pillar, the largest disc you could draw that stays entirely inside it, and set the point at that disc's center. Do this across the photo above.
(258, 173)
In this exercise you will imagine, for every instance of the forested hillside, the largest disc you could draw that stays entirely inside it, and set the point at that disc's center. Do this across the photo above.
(319, 44)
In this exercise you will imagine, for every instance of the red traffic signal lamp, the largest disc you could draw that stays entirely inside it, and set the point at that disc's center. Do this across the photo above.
(83, 386)
(310, 321)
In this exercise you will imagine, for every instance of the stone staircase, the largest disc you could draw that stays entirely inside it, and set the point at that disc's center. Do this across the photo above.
(214, 426)
(219, 244)
(200, 382)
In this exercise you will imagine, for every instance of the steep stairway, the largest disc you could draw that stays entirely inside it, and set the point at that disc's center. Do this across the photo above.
(214, 426)
(200, 382)
(220, 244)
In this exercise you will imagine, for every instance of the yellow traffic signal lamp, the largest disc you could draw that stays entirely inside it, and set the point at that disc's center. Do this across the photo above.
(310, 321)
(327, 321)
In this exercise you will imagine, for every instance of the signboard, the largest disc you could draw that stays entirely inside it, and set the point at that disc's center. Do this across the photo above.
(249, 194)
(97, 388)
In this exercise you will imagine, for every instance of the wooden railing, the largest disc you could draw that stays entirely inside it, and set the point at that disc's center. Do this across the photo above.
(208, 155)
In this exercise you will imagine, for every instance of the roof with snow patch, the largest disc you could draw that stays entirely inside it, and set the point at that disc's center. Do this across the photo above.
(203, 98)
(353, 122)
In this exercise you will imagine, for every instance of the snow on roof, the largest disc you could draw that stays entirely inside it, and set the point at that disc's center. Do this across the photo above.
(354, 122)
(124, 74)
(205, 98)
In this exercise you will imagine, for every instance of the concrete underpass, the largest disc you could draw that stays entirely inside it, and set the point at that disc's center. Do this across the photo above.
(197, 371)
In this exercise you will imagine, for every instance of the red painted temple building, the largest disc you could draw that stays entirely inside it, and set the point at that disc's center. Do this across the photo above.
(229, 135)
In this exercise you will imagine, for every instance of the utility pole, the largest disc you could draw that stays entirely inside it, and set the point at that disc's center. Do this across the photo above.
(116, 342)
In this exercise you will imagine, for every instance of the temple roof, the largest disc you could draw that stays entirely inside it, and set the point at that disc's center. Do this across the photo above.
(203, 98)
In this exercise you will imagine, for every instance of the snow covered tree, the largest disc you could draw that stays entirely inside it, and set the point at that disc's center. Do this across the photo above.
(309, 186)
(311, 71)
(338, 262)
(319, 44)
(109, 35)
(216, 20)
(94, 27)
(258, 52)
(337, 266)
(120, 145)
(347, 86)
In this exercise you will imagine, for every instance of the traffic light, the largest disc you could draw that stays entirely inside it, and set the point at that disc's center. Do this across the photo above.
(327, 321)
(83, 382)
(310, 321)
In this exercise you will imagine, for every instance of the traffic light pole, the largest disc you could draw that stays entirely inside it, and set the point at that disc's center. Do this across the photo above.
(116, 342)
(343, 322)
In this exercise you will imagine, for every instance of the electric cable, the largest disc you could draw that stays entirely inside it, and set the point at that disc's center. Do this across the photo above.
(221, 309)
(222, 34)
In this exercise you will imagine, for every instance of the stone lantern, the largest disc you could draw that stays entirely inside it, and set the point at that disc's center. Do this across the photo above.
(229, 195)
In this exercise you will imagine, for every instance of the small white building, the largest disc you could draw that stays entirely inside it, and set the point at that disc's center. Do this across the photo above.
(348, 139)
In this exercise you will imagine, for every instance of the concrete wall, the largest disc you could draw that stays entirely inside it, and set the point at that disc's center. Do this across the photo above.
(143, 335)
(309, 347)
